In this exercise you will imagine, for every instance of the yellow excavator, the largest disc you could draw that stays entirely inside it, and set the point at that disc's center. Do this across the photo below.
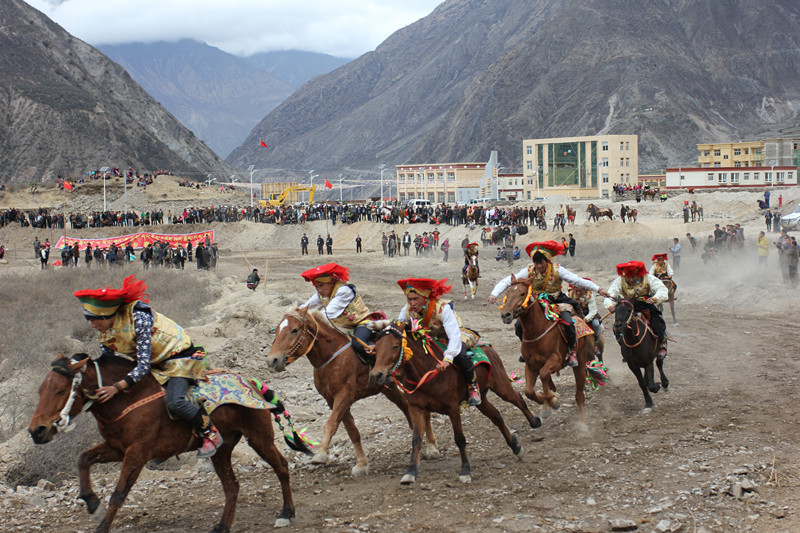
(277, 199)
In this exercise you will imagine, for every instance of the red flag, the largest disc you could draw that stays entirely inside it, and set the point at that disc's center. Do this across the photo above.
(68, 185)
(328, 184)
(263, 143)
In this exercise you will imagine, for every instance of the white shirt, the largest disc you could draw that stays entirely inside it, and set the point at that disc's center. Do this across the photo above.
(661, 294)
(653, 270)
(590, 303)
(451, 329)
(336, 305)
(563, 273)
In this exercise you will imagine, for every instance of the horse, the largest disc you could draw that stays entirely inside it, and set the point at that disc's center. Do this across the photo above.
(403, 358)
(595, 213)
(137, 428)
(639, 346)
(650, 193)
(544, 348)
(667, 280)
(571, 213)
(470, 277)
(632, 214)
(340, 376)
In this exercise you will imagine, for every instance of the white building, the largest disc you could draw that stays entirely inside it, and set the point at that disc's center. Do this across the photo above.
(730, 177)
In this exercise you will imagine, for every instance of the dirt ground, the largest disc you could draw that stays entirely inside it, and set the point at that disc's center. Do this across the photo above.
(718, 453)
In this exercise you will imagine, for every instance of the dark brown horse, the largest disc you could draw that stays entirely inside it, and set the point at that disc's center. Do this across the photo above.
(339, 376)
(470, 278)
(137, 428)
(544, 347)
(595, 213)
(404, 359)
(639, 347)
(650, 193)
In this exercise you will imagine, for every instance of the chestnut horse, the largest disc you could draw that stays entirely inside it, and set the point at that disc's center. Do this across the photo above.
(639, 346)
(471, 277)
(544, 348)
(137, 428)
(340, 376)
(650, 193)
(406, 361)
(595, 213)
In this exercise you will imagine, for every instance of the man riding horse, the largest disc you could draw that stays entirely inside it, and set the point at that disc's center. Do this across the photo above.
(663, 271)
(588, 308)
(645, 291)
(341, 304)
(431, 312)
(547, 279)
(127, 325)
(471, 250)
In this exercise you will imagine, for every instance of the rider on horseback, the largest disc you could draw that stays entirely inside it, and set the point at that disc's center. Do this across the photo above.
(436, 315)
(547, 278)
(588, 308)
(472, 249)
(127, 325)
(663, 271)
(343, 307)
(645, 291)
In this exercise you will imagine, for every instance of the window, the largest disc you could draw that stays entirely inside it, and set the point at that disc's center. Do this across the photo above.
(622, 161)
(756, 151)
(781, 176)
(627, 161)
(756, 176)
(737, 163)
(627, 145)
(529, 165)
(401, 178)
(767, 177)
(706, 153)
(451, 176)
(411, 178)
(621, 145)
(717, 165)
(746, 176)
(451, 197)
(411, 196)
(737, 151)
(529, 149)
(605, 178)
(628, 178)
(604, 162)
(790, 176)
(430, 197)
(710, 176)
(723, 177)
(529, 195)
(605, 146)
(717, 153)
(440, 198)
(747, 163)
(746, 151)
(440, 178)
(734, 177)
(725, 156)
(430, 178)
(402, 197)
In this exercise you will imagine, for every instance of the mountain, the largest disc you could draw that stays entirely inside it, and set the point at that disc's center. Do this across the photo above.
(295, 67)
(482, 75)
(220, 97)
(66, 108)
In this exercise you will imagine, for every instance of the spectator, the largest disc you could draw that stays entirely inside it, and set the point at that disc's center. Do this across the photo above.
(571, 245)
(763, 248)
(693, 241)
(358, 243)
(676, 254)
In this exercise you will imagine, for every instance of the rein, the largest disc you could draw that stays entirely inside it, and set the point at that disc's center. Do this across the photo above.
(290, 354)
(523, 308)
(629, 327)
(404, 354)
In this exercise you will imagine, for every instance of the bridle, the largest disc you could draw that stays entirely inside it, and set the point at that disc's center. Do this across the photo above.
(291, 354)
(524, 306)
(62, 423)
(404, 353)
(620, 330)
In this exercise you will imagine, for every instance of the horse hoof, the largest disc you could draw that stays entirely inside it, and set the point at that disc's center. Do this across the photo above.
(555, 404)
(582, 428)
(647, 410)
(320, 458)
(537, 422)
(465, 478)
(408, 479)
(282, 522)
(99, 513)
(360, 470)
(431, 452)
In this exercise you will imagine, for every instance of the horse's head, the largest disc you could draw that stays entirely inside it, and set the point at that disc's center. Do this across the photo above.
(473, 260)
(293, 339)
(517, 299)
(389, 352)
(57, 398)
(623, 314)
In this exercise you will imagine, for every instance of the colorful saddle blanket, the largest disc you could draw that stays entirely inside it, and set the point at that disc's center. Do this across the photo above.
(552, 312)
(221, 386)
(477, 353)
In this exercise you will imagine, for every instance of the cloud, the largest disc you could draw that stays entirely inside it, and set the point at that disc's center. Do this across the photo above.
(343, 28)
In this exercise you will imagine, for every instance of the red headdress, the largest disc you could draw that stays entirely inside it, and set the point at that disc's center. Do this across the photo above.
(632, 268)
(105, 302)
(473, 244)
(429, 288)
(547, 248)
(331, 270)
(659, 257)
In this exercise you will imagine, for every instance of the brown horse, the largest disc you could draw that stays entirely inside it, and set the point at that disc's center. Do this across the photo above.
(404, 359)
(137, 428)
(340, 376)
(471, 277)
(639, 346)
(571, 213)
(650, 193)
(544, 348)
(595, 213)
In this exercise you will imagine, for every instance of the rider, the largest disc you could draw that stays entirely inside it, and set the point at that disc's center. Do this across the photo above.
(646, 291)
(663, 271)
(588, 308)
(341, 304)
(472, 249)
(425, 305)
(547, 278)
(127, 325)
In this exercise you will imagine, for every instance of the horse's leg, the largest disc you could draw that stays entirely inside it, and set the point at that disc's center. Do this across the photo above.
(585, 351)
(340, 405)
(501, 385)
(230, 485)
(261, 437)
(551, 366)
(132, 463)
(362, 464)
(491, 412)
(648, 401)
(102, 453)
(417, 423)
(531, 375)
(672, 308)
(464, 283)
(465, 476)
(398, 398)
(664, 380)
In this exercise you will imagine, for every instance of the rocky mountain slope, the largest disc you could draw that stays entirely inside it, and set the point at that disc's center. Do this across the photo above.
(481, 75)
(66, 108)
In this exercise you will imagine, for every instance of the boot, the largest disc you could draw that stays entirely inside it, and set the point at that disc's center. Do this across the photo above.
(662, 348)
(211, 437)
(572, 359)
(474, 397)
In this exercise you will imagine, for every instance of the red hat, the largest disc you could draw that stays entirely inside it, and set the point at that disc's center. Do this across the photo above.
(331, 270)
(659, 257)
(473, 244)
(548, 248)
(632, 268)
(105, 302)
(429, 288)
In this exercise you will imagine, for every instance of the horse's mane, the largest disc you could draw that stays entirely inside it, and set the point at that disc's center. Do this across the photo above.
(316, 316)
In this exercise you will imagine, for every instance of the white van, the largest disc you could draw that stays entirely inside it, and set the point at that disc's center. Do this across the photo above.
(418, 202)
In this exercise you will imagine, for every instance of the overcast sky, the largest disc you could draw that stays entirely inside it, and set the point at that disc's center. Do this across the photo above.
(343, 28)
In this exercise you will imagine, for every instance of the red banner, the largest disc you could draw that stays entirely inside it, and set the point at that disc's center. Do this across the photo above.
(139, 240)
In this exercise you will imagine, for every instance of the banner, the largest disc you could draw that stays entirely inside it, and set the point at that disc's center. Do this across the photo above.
(139, 240)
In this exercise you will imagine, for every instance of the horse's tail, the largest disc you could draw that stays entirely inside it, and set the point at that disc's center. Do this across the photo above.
(299, 442)
(596, 374)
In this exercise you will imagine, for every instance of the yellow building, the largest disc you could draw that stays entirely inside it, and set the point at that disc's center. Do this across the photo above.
(579, 167)
(738, 154)
(440, 183)
(655, 181)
